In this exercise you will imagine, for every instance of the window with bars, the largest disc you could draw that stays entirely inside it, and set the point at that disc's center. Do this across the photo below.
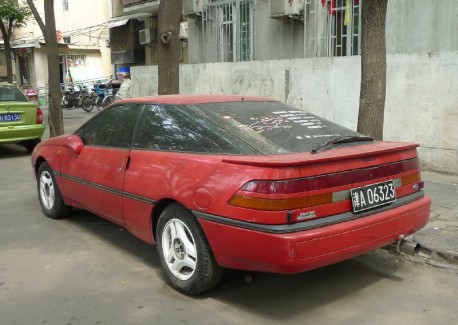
(332, 28)
(68, 61)
(75, 60)
(65, 5)
(227, 28)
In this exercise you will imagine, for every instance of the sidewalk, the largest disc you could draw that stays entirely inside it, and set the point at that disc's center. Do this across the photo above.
(439, 238)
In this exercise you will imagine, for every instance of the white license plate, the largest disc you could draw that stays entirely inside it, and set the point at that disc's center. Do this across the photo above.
(374, 195)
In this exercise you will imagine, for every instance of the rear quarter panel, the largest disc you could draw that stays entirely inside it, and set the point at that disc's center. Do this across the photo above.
(200, 182)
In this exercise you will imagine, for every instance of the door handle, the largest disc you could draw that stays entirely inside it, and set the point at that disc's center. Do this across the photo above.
(125, 164)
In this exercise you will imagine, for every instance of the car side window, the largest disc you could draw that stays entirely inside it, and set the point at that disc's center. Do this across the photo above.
(176, 128)
(113, 127)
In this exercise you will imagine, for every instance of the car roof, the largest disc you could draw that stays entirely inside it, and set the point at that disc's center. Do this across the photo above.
(195, 99)
(6, 84)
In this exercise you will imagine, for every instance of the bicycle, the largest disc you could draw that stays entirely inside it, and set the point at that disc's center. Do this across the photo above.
(101, 95)
(109, 99)
(73, 96)
(89, 101)
(110, 92)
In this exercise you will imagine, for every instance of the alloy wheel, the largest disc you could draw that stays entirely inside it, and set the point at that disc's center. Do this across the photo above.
(47, 192)
(179, 249)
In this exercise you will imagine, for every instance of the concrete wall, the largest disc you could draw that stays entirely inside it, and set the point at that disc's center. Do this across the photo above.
(420, 26)
(421, 102)
(276, 39)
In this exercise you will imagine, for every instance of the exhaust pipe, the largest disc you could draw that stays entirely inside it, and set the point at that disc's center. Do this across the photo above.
(408, 247)
(405, 246)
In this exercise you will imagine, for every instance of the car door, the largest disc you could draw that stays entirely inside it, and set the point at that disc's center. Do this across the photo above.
(164, 164)
(94, 179)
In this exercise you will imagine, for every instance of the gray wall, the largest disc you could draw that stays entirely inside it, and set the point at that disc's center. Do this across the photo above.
(416, 26)
(421, 102)
(276, 39)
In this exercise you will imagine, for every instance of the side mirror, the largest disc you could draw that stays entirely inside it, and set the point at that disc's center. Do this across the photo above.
(75, 143)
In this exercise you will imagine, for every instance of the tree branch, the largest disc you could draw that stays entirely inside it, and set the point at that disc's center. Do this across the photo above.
(37, 17)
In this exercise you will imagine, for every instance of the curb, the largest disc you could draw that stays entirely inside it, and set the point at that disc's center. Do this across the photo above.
(436, 259)
(439, 245)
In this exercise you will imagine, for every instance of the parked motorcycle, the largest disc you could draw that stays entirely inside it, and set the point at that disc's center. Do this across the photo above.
(73, 96)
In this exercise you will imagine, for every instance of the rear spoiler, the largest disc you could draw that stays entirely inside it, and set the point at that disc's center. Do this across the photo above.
(406, 151)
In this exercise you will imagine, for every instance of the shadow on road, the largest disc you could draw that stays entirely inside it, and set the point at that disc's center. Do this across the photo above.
(281, 297)
(115, 235)
(12, 151)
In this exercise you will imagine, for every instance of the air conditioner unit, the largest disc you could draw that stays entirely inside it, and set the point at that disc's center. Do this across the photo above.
(280, 8)
(193, 7)
(145, 36)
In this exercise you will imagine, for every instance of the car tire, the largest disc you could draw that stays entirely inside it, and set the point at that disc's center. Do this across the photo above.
(49, 195)
(186, 257)
(31, 144)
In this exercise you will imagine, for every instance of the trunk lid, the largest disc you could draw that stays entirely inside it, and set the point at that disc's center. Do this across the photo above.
(332, 182)
(18, 113)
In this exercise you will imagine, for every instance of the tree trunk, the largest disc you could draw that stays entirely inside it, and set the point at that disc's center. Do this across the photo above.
(373, 68)
(55, 118)
(9, 62)
(6, 42)
(168, 46)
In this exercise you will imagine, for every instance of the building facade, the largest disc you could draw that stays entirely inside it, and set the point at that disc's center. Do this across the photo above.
(82, 34)
(244, 30)
(133, 34)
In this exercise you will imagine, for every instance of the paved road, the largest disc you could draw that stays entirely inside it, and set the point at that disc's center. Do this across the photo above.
(84, 270)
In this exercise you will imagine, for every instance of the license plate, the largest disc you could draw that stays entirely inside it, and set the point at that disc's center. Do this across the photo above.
(373, 195)
(10, 117)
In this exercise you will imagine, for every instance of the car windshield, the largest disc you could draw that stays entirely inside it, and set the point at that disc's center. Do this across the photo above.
(274, 127)
(11, 94)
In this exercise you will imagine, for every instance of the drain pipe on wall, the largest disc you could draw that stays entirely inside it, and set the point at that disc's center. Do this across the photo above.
(286, 85)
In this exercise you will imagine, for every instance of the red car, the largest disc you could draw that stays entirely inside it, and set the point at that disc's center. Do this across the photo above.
(234, 182)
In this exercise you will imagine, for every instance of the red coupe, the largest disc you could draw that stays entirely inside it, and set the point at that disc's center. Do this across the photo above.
(234, 182)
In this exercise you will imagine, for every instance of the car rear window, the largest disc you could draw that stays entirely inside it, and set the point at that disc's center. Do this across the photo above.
(180, 128)
(11, 94)
(274, 127)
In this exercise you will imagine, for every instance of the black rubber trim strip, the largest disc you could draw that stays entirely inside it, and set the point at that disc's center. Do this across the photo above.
(310, 224)
(111, 190)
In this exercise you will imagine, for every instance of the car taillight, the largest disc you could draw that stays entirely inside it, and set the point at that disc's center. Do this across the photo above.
(333, 180)
(308, 192)
(265, 204)
(39, 116)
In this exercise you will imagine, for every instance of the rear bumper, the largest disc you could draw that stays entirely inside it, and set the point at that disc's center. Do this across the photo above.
(294, 252)
(19, 133)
